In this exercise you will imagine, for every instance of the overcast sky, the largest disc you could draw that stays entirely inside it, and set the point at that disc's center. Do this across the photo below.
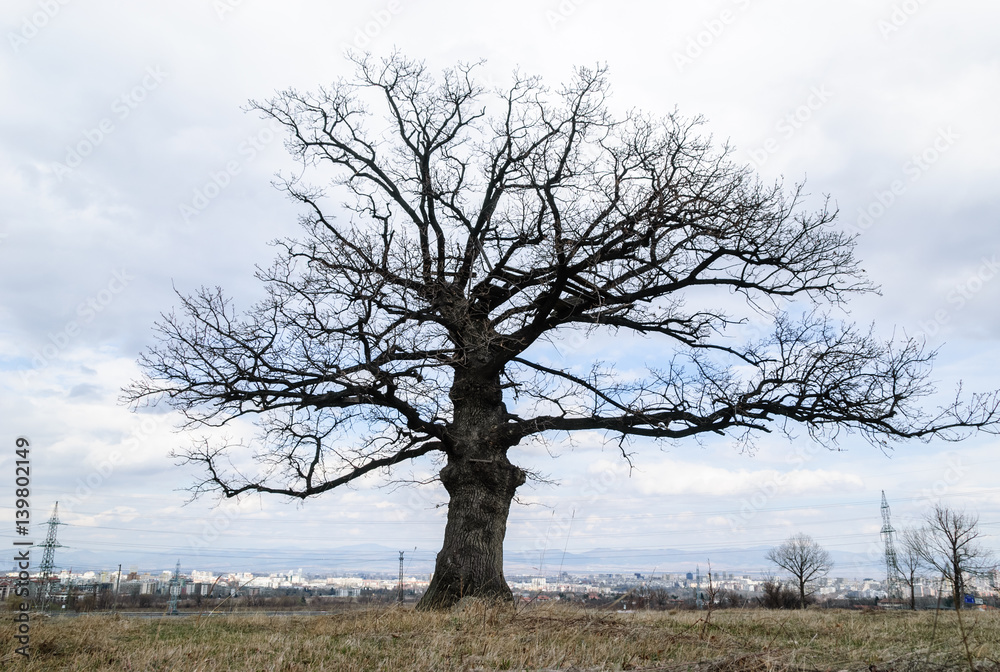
(116, 114)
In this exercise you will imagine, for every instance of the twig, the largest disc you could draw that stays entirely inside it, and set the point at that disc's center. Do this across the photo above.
(965, 637)
(937, 610)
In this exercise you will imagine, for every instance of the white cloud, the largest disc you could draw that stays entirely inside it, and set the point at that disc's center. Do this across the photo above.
(671, 477)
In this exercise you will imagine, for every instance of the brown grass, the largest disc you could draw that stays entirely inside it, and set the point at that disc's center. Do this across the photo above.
(483, 637)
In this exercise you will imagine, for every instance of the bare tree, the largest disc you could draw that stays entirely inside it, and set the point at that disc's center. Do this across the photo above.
(909, 562)
(416, 320)
(804, 559)
(948, 543)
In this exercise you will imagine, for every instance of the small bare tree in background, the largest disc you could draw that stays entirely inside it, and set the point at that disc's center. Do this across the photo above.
(804, 559)
(949, 544)
(909, 562)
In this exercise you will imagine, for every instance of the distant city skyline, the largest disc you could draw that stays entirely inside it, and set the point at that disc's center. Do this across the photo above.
(679, 585)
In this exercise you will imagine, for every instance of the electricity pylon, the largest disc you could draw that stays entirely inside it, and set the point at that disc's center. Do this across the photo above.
(49, 556)
(401, 577)
(891, 565)
(175, 589)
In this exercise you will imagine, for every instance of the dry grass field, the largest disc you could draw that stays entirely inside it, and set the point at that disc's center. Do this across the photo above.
(480, 637)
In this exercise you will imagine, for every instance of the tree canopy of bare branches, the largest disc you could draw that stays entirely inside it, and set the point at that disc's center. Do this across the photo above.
(480, 226)
(804, 559)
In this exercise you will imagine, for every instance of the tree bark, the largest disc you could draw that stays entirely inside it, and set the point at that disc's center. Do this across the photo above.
(470, 562)
(957, 587)
(481, 482)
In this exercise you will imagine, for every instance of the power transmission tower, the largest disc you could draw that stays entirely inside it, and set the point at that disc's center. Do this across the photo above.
(49, 556)
(175, 589)
(118, 584)
(891, 566)
(697, 590)
(401, 577)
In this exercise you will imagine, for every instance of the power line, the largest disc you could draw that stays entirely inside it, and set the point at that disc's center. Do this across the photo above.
(514, 518)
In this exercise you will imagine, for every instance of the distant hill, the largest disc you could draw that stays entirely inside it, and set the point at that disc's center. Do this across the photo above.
(656, 561)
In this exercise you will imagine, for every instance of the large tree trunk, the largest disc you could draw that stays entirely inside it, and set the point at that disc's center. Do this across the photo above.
(481, 482)
(471, 560)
